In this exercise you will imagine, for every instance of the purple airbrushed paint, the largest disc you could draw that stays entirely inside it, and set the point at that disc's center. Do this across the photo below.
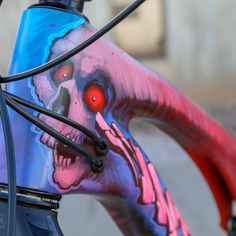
(91, 89)
(102, 88)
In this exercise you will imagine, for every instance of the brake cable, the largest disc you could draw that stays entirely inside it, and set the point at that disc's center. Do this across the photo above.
(101, 143)
(96, 163)
(11, 166)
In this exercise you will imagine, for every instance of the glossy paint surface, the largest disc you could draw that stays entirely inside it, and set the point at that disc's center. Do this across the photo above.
(38, 29)
(103, 88)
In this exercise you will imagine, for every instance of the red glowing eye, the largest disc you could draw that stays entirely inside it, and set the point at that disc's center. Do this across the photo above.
(95, 98)
(64, 73)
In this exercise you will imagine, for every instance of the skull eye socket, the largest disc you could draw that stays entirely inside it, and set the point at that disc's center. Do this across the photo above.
(63, 73)
(95, 98)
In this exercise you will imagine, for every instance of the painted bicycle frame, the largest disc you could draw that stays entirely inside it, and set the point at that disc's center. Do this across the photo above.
(103, 89)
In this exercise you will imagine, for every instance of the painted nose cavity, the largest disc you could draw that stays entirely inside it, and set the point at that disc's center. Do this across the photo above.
(62, 103)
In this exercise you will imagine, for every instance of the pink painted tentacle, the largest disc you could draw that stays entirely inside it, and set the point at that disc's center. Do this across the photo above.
(151, 191)
(161, 214)
(184, 227)
(116, 143)
(173, 218)
(211, 147)
(148, 194)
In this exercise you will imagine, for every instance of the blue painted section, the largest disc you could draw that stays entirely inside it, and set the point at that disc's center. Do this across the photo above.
(38, 30)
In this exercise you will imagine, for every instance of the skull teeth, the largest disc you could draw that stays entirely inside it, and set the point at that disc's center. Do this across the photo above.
(55, 157)
(64, 162)
(68, 162)
(60, 161)
(51, 141)
(44, 138)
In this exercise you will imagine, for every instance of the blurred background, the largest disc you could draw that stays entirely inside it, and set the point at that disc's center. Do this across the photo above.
(192, 43)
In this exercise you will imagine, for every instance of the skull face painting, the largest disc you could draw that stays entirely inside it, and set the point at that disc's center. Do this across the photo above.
(102, 88)
(92, 90)
(77, 94)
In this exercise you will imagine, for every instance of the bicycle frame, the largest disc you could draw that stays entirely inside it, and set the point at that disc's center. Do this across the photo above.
(103, 89)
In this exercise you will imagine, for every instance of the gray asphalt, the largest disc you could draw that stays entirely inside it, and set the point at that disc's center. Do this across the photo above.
(81, 215)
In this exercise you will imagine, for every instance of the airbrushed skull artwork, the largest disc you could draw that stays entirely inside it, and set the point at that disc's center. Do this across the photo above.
(78, 89)
(90, 89)
(103, 89)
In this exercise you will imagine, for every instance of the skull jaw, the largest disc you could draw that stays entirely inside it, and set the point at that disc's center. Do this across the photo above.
(68, 175)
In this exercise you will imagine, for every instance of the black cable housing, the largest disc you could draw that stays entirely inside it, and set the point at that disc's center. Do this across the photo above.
(98, 141)
(11, 166)
(48, 129)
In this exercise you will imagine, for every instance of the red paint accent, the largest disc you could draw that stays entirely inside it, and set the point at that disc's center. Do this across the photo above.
(64, 73)
(210, 146)
(95, 99)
